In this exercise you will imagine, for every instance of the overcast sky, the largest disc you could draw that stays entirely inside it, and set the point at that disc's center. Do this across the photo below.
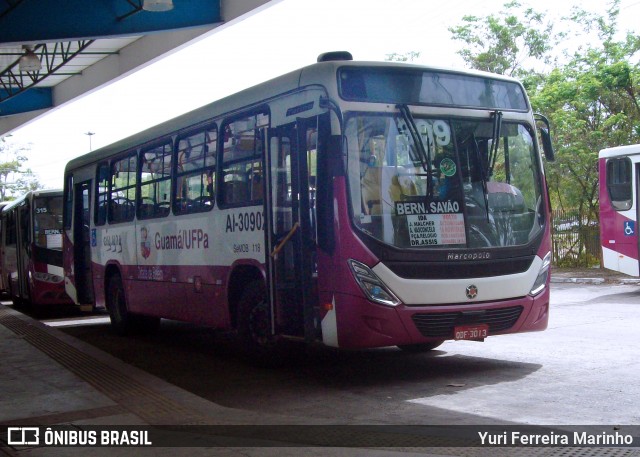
(279, 39)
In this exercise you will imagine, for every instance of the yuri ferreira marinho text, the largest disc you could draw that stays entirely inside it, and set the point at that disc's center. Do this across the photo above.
(514, 438)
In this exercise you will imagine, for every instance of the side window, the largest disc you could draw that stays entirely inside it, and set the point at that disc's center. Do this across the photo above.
(195, 172)
(155, 182)
(123, 189)
(619, 183)
(102, 193)
(242, 160)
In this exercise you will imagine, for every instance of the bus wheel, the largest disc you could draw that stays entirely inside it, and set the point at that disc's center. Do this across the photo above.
(254, 324)
(117, 306)
(122, 321)
(420, 347)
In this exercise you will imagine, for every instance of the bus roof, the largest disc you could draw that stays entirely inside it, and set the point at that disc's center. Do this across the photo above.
(617, 151)
(312, 75)
(33, 193)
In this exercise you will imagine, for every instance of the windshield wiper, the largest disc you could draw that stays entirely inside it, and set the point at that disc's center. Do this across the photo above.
(495, 142)
(423, 154)
(483, 177)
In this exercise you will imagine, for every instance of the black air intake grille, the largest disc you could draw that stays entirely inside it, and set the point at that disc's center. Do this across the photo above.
(442, 324)
(460, 270)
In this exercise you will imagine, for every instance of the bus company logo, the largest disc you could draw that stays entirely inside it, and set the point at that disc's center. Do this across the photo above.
(145, 244)
(472, 292)
(23, 436)
(183, 239)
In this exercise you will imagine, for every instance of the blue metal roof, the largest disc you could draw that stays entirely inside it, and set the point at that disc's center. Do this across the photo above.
(70, 35)
(29, 21)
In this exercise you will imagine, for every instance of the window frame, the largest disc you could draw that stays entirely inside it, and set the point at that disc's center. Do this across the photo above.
(260, 134)
(96, 214)
(177, 206)
(110, 212)
(627, 203)
(163, 143)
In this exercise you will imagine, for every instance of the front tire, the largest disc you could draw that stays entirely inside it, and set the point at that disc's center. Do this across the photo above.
(254, 326)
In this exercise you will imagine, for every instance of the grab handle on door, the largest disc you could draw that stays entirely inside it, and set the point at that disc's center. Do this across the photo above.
(279, 247)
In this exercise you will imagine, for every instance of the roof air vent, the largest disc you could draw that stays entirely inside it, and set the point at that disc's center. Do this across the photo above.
(334, 55)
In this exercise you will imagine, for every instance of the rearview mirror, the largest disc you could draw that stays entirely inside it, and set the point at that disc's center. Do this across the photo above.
(545, 135)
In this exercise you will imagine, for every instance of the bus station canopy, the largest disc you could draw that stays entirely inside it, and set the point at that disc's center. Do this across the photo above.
(53, 52)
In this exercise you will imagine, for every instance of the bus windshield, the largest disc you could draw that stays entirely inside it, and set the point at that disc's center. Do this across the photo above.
(47, 225)
(443, 183)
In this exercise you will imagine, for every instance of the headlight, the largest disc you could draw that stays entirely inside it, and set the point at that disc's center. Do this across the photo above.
(371, 285)
(47, 277)
(541, 280)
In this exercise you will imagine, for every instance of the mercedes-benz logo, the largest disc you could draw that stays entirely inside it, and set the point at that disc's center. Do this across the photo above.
(472, 291)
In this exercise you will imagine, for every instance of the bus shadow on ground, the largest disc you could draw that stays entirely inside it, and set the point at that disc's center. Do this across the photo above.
(210, 365)
(47, 312)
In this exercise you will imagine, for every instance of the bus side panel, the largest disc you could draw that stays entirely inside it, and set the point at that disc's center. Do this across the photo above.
(618, 230)
(99, 284)
(206, 295)
(45, 291)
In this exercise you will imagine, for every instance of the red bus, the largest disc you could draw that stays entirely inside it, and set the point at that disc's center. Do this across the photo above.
(354, 204)
(618, 168)
(31, 249)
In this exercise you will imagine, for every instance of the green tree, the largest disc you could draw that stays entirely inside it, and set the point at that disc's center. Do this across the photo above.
(511, 43)
(590, 95)
(592, 101)
(15, 180)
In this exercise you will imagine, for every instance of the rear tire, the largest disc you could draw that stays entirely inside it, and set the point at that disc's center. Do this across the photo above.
(420, 347)
(124, 322)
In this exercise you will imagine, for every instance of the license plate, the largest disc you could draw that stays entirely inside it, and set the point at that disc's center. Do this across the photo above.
(471, 332)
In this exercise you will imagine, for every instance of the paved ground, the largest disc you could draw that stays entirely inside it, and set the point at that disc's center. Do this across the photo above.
(49, 378)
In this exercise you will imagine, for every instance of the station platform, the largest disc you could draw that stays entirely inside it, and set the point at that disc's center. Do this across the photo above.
(50, 379)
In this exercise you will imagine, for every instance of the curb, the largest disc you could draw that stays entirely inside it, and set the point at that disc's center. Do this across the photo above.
(578, 280)
(596, 281)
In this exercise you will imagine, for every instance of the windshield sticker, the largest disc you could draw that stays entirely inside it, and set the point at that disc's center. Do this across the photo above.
(436, 229)
(448, 167)
(433, 224)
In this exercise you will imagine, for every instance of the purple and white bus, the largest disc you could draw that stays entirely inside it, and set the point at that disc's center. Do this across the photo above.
(355, 204)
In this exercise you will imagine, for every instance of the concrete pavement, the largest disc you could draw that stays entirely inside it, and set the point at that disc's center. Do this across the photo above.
(48, 378)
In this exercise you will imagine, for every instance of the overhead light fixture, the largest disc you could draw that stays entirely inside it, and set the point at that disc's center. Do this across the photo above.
(29, 61)
(157, 5)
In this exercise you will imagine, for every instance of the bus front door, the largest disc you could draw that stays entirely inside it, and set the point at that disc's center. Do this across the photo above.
(82, 243)
(23, 250)
(290, 230)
